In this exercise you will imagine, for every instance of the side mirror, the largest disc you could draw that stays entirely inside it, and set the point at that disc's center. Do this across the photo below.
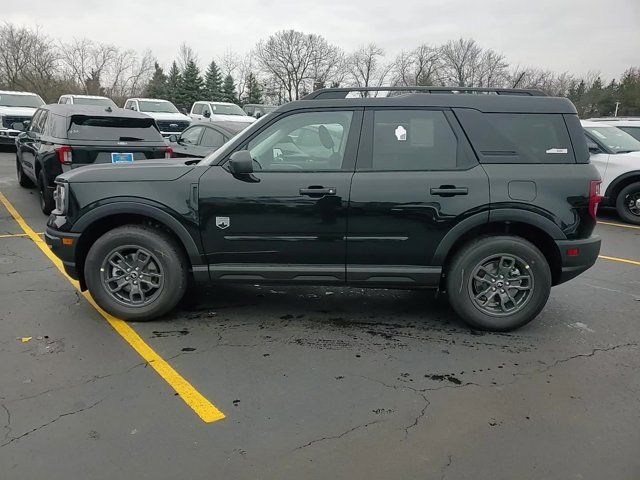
(173, 138)
(18, 126)
(206, 114)
(241, 163)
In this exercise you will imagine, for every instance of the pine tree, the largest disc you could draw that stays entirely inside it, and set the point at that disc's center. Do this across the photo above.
(229, 90)
(157, 86)
(254, 90)
(190, 86)
(173, 82)
(213, 83)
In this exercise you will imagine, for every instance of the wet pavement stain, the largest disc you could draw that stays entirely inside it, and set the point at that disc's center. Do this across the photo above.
(169, 333)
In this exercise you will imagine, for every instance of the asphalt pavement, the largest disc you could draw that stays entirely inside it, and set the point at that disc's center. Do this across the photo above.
(316, 382)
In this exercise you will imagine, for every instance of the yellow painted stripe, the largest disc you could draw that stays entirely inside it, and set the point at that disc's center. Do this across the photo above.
(194, 399)
(619, 225)
(11, 235)
(616, 259)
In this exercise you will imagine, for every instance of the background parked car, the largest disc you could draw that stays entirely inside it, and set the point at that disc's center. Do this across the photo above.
(62, 137)
(219, 112)
(257, 110)
(94, 100)
(616, 155)
(202, 138)
(165, 113)
(631, 125)
(16, 107)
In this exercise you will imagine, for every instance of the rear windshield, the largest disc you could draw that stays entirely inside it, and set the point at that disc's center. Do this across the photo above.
(614, 139)
(157, 107)
(10, 100)
(84, 127)
(99, 102)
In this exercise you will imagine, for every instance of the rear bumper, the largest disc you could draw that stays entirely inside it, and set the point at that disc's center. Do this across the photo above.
(64, 251)
(574, 265)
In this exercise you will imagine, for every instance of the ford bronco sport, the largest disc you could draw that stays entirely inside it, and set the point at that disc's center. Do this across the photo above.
(487, 194)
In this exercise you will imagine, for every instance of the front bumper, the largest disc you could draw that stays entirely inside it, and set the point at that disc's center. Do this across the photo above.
(63, 245)
(573, 265)
(8, 136)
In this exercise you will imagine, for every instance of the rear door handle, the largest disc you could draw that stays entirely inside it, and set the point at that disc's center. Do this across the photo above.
(317, 191)
(449, 191)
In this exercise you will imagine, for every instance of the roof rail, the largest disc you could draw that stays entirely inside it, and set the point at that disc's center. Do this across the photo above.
(342, 92)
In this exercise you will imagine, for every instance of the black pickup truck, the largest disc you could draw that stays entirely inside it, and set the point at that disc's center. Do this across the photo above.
(485, 194)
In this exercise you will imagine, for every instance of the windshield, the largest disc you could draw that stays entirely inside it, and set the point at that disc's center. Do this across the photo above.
(157, 106)
(227, 110)
(9, 100)
(614, 139)
(99, 102)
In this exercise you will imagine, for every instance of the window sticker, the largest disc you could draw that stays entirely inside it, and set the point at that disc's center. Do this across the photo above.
(401, 133)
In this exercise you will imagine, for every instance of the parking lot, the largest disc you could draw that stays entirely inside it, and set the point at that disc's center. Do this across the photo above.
(314, 382)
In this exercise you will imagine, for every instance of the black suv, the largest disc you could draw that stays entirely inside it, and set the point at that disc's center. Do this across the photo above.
(485, 194)
(62, 137)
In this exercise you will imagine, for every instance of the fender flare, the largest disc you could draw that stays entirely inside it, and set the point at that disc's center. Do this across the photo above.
(498, 215)
(147, 210)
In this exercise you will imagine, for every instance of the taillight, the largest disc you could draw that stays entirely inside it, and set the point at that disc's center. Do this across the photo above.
(64, 154)
(168, 152)
(594, 197)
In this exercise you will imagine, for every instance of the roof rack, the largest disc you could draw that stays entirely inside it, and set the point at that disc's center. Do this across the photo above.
(342, 92)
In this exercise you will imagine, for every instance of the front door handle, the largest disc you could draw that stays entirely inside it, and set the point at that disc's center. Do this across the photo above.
(449, 191)
(317, 191)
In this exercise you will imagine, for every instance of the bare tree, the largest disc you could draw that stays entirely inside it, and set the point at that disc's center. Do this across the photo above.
(417, 67)
(186, 54)
(365, 67)
(465, 64)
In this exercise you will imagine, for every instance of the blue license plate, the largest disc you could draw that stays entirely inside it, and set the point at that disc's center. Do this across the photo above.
(121, 157)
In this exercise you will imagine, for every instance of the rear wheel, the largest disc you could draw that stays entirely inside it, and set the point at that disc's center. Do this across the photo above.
(498, 283)
(136, 272)
(23, 180)
(47, 203)
(628, 203)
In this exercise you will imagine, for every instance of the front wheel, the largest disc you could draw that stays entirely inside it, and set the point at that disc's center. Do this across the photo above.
(498, 283)
(136, 272)
(628, 203)
(23, 180)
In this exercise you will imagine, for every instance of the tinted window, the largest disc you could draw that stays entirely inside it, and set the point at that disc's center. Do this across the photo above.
(197, 109)
(518, 137)
(303, 141)
(83, 127)
(212, 138)
(191, 135)
(633, 131)
(413, 140)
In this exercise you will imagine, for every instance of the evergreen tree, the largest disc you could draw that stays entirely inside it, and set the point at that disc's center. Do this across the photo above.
(190, 86)
(173, 82)
(229, 90)
(157, 86)
(213, 83)
(254, 90)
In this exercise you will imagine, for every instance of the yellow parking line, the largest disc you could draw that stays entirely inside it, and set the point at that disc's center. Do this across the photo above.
(194, 399)
(619, 225)
(11, 235)
(616, 259)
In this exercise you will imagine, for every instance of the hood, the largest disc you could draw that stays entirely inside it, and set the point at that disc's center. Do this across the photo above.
(167, 116)
(232, 118)
(142, 171)
(18, 111)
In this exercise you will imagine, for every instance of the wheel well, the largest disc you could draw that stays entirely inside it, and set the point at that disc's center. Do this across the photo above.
(617, 187)
(103, 225)
(541, 239)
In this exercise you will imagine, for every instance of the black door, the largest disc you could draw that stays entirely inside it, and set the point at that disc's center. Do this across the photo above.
(29, 143)
(288, 220)
(415, 179)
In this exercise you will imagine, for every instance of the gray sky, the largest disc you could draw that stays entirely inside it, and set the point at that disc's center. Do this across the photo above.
(564, 35)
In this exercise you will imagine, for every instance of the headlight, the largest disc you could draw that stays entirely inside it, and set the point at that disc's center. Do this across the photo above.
(60, 196)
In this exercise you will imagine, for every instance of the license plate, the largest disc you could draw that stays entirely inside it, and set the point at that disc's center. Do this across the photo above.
(121, 157)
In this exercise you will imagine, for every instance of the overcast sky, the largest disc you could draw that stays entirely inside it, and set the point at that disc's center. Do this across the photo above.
(564, 35)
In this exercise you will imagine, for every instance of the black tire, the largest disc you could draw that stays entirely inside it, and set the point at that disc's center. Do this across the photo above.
(628, 203)
(166, 256)
(23, 180)
(47, 203)
(463, 289)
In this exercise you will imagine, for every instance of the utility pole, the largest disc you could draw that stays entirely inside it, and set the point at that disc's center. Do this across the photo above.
(615, 114)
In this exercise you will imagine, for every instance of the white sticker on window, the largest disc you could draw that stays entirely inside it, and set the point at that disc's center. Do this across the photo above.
(401, 133)
(557, 150)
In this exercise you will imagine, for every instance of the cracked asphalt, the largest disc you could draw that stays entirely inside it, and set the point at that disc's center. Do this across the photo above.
(317, 382)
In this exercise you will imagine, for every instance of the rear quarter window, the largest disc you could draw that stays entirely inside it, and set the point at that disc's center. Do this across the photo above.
(83, 127)
(518, 137)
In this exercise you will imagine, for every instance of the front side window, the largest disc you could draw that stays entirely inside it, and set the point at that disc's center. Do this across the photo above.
(413, 140)
(206, 111)
(212, 138)
(191, 135)
(303, 141)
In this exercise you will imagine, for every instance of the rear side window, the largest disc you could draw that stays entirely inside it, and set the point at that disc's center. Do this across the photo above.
(413, 140)
(197, 109)
(633, 131)
(83, 127)
(518, 137)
